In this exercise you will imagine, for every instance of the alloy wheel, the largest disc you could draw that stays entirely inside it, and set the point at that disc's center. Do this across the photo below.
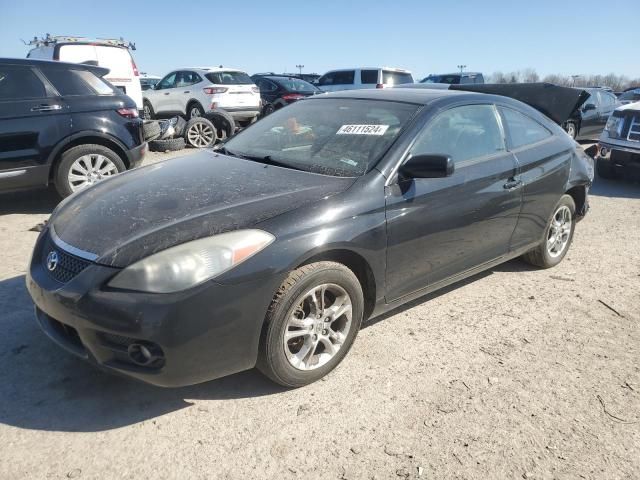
(559, 231)
(90, 169)
(318, 326)
(194, 112)
(200, 135)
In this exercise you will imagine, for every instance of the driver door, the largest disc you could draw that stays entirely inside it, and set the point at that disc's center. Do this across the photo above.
(439, 228)
(164, 94)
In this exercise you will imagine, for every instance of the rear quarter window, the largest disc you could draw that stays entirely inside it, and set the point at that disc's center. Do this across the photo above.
(396, 78)
(522, 129)
(76, 82)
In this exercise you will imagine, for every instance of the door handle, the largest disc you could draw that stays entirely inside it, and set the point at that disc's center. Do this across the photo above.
(186, 91)
(166, 93)
(46, 108)
(512, 184)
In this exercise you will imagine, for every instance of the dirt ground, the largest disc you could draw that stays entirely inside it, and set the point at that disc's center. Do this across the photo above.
(515, 373)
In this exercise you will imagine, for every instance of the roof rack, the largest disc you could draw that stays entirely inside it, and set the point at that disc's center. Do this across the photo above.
(48, 39)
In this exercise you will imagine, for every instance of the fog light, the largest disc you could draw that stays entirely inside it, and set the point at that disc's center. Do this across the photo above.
(145, 354)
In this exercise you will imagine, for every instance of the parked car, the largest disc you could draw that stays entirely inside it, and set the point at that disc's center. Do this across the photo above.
(114, 55)
(272, 250)
(278, 91)
(361, 78)
(629, 96)
(619, 144)
(588, 122)
(62, 123)
(307, 77)
(148, 81)
(191, 92)
(455, 78)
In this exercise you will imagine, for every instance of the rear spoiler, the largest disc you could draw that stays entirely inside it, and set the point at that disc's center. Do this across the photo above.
(557, 103)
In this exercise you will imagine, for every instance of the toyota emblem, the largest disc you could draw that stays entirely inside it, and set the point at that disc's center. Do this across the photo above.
(52, 260)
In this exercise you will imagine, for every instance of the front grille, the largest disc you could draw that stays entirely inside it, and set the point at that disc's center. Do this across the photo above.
(634, 129)
(66, 267)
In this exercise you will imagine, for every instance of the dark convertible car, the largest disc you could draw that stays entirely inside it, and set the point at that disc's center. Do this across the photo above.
(272, 251)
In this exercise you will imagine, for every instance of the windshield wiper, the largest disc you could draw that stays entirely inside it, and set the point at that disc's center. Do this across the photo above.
(267, 159)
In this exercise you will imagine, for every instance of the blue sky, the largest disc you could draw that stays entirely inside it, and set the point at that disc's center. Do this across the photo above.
(567, 37)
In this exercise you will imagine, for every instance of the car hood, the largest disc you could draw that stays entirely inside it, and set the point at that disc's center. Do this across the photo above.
(557, 103)
(144, 211)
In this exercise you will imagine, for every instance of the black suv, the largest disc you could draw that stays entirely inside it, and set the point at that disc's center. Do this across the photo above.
(63, 123)
(277, 91)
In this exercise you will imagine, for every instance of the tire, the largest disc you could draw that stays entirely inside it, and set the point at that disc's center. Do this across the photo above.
(223, 121)
(268, 109)
(194, 109)
(571, 128)
(605, 170)
(151, 130)
(542, 256)
(275, 353)
(147, 110)
(200, 133)
(92, 153)
(168, 145)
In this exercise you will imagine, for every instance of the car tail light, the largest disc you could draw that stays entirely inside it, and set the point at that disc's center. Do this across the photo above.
(212, 90)
(380, 85)
(292, 96)
(135, 68)
(255, 89)
(128, 112)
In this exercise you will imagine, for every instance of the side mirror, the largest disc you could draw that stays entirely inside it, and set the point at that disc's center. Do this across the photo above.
(588, 107)
(427, 166)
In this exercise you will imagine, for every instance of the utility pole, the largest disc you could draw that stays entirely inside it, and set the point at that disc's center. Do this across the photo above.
(462, 67)
(300, 67)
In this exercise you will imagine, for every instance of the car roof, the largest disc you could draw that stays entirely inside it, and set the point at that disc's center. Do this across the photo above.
(29, 62)
(391, 69)
(211, 69)
(420, 96)
(464, 74)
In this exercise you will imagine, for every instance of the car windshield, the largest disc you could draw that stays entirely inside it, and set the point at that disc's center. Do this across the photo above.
(339, 137)
(297, 85)
(633, 95)
(450, 79)
(229, 78)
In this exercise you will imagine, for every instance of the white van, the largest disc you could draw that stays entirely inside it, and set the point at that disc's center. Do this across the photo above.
(111, 54)
(362, 77)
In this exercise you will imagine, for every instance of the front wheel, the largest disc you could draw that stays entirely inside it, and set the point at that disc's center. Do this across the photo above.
(195, 110)
(85, 165)
(311, 324)
(558, 236)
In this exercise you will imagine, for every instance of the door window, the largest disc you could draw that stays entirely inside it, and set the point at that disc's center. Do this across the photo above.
(18, 83)
(167, 82)
(523, 130)
(369, 77)
(186, 79)
(462, 133)
(338, 78)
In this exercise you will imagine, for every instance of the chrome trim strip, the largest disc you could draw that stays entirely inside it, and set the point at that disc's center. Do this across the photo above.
(13, 173)
(92, 257)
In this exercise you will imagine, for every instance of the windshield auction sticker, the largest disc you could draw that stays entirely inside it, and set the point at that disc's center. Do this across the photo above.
(362, 130)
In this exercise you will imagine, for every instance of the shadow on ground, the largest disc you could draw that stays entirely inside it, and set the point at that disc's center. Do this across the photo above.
(619, 188)
(40, 200)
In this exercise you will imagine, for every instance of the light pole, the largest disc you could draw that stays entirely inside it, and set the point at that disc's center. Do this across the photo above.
(574, 77)
(462, 67)
(300, 67)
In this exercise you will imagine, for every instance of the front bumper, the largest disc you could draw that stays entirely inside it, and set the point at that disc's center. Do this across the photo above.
(197, 335)
(620, 158)
(136, 155)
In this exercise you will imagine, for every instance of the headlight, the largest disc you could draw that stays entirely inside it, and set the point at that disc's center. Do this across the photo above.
(614, 126)
(191, 263)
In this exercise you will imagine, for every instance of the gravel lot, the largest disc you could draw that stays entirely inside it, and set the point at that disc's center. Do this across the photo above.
(515, 373)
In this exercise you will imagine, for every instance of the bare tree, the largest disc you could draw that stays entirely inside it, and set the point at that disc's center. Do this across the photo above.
(616, 82)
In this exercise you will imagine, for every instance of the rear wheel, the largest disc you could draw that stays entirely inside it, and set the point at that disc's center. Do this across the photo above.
(311, 324)
(147, 110)
(572, 129)
(194, 110)
(86, 165)
(558, 236)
